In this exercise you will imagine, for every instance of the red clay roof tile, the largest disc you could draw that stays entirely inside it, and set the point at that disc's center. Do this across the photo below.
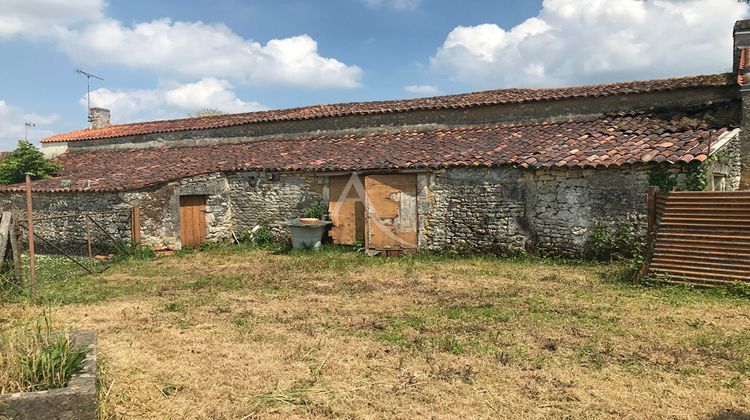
(623, 139)
(492, 97)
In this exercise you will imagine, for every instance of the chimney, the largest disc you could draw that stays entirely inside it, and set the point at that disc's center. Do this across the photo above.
(99, 118)
(741, 40)
(741, 70)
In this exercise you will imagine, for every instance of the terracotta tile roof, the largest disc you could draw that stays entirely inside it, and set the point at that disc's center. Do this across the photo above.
(743, 79)
(594, 142)
(492, 97)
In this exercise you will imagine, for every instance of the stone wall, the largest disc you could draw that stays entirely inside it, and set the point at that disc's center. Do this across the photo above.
(160, 209)
(562, 206)
(470, 210)
(235, 203)
(495, 210)
(729, 164)
(256, 200)
(544, 211)
(549, 211)
(59, 219)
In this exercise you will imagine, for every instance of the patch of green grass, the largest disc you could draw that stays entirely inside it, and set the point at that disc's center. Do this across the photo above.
(732, 347)
(241, 321)
(173, 307)
(394, 337)
(483, 312)
(692, 371)
(449, 344)
(410, 321)
(141, 253)
(591, 356)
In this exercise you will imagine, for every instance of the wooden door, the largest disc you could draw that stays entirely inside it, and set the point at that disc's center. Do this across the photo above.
(391, 212)
(346, 206)
(192, 220)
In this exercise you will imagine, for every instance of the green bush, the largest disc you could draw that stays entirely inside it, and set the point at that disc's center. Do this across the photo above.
(315, 211)
(613, 242)
(25, 159)
(661, 177)
(262, 237)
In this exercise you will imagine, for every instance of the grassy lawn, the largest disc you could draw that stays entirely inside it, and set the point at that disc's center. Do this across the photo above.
(232, 333)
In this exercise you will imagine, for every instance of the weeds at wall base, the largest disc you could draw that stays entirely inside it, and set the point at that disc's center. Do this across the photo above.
(35, 356)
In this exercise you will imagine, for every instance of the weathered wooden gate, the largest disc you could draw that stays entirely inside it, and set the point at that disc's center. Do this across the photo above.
(391, 219)
(700, 238)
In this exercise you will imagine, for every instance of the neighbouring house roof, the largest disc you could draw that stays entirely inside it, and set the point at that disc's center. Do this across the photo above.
(468, 100)
(743, 78)
(590, 142)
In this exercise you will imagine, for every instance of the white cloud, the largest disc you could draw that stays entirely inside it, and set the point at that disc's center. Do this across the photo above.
(174, 48)
(422, 89)
(39, 18)
(395, 4)
(12, 125)
(209, 93)
(588, 41)
(172, 102)
(196, 49)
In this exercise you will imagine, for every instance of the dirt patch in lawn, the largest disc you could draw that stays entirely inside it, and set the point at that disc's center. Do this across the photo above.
(233, 333)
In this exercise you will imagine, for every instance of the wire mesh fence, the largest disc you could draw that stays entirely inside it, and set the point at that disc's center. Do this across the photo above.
(83, 242)
(84, 234)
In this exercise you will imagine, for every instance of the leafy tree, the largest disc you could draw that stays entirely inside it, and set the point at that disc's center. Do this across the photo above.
(26, 158)
(207, 112)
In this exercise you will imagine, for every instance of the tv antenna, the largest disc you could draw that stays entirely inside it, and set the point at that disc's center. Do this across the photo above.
(88, 89)
(28, 125)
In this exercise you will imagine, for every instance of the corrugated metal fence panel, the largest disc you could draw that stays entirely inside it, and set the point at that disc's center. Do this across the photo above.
(702, 238)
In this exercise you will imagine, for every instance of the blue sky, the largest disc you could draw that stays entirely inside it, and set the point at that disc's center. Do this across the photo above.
(166, 59)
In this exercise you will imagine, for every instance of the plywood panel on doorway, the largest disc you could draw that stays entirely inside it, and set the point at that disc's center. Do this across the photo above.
(391, 212)
(346, 206)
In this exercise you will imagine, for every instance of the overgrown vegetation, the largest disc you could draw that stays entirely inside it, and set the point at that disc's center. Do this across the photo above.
(262, 236)
(620, 243)
(34, 356)
(613, 241)
(338, 334)
(315, 211)
(696, 174)
(660, 176)
(25, 159)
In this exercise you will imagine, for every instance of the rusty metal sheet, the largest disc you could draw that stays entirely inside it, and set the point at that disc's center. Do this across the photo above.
(702, 238)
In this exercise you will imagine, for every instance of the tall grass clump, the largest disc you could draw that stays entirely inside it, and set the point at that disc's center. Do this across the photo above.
(34, 357)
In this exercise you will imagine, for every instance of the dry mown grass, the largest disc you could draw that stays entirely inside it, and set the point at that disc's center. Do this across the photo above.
(233, 333)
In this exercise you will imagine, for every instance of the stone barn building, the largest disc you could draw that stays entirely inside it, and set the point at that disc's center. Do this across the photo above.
(496, 171)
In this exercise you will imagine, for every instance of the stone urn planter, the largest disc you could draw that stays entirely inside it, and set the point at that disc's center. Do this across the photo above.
(307, 233)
